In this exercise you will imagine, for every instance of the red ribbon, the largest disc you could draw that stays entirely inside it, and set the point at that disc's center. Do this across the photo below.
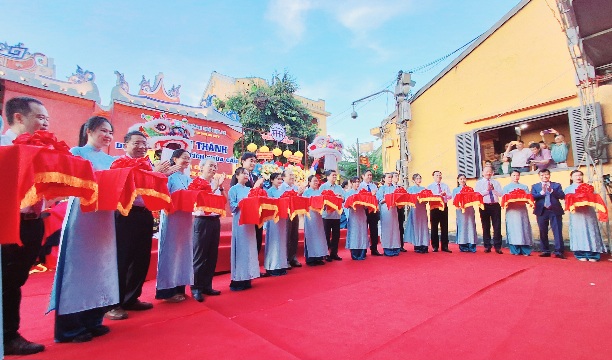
(44, 139)
(518, 196)
(128, 162)
(200, 185)
(466, 198)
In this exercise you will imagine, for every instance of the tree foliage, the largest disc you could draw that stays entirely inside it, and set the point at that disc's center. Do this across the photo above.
(348, 165)
(261, 106)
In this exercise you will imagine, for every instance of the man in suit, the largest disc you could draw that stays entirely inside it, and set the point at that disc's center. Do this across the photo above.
(24, 115)
(548, 209)
(373, 217)
(437, 217)
(491, 192)
(401, 213)
(248, 161)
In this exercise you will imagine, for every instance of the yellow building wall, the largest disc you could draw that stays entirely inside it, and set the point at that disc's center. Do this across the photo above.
(525, 64)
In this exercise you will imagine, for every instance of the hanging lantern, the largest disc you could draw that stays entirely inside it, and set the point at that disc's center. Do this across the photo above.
(298, 154)
(264, 149)
(252, 147)
(287, 153)
(277, 151)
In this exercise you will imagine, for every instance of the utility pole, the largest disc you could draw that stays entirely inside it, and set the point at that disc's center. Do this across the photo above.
(358, 159)
(403, 116)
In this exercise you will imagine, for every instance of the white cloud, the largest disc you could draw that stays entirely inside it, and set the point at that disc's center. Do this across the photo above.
(290, 16)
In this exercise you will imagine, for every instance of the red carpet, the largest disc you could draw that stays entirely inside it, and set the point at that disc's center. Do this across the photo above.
(433, 306)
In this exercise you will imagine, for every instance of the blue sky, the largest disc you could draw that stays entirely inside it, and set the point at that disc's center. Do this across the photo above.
(338, 50)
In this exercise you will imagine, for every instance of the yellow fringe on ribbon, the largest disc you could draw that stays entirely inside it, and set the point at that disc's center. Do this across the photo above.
(333, 206)
(599, 207)
(221, 212)
(475, 204)
(299, 212)
(32, 197)
(530, 203)
(365, 204)
(141, 191)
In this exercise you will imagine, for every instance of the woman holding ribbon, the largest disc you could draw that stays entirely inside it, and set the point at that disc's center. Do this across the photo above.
(275, 261)
(466, 221)
(584, 234)
(244, 262)
(417, 230)
(174, 265)
(86, 278)
(357, 227)
(518, 227)
(315, 242)
(389, 223)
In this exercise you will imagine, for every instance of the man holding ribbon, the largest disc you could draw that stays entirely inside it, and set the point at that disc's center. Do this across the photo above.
(491, 192)
(548, 210)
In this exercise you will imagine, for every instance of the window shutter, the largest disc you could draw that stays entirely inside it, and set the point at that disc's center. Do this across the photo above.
(579, 131)
(467, 159)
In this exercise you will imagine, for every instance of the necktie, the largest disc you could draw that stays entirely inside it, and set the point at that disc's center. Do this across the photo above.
(439, 189)
(369, 187)
(546, 196)
(490, 191)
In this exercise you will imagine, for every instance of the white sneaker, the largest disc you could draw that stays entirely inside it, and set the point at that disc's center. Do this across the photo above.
(593, 260)
(582, 259)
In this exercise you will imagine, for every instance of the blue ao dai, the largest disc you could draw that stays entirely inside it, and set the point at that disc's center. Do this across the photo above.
(389, 223)
(417, 230)
(86, 276)
(357, 237)
(584, 234)
(315, 243)
(175, 255)
(466, 226)
(244, 262)
(276, 239)
(518, 227)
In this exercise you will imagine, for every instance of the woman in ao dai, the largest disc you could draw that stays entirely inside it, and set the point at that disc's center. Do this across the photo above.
(584, 234)
(417, 230)
(518, 227)
(357, 237)
(86, 279)
(315, 243)
(275, 261)
(244, 261)
(466, 222)
(389, 223)
(175, 255)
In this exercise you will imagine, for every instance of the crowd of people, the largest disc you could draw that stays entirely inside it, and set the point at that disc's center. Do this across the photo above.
(110, 251)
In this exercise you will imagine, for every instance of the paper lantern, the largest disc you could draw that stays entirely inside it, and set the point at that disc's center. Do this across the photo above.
(264, 149)
(298, 154)
(277, 151)
(287, 153)
(252, 147)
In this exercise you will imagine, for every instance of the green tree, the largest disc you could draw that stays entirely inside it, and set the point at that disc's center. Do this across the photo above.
(348, 165)
(260, 107)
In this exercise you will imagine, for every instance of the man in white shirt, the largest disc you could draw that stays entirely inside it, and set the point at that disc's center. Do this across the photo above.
(293, 227)
(437, 217)
(491, 192)
(24, 115)
(519, 155)
(373, 217)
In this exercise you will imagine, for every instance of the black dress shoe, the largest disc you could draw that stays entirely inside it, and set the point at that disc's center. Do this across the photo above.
(212, 292)
(197, 295)
(375, 253)
(295, 263)
(99, 330)
(21, 346)
(435, 250)
(81, 338)
(544, 254)
(264, 274)
(447, 250)
(560, 256)
(336, 257)
(499, 251)
(328, 258)
(403, 250)
(487, 250)
(138, 306)
(320, 262)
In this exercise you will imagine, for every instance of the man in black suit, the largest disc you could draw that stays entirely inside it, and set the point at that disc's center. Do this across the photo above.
(248, 161)
(548, 209)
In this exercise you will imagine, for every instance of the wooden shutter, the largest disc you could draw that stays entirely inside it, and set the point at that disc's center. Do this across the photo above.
(579, 130)
(467, 158)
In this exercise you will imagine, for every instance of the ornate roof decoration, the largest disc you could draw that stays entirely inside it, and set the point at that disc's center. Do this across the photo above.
(156, 97)
(158, 92)
(81, 76)
(17, 57)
